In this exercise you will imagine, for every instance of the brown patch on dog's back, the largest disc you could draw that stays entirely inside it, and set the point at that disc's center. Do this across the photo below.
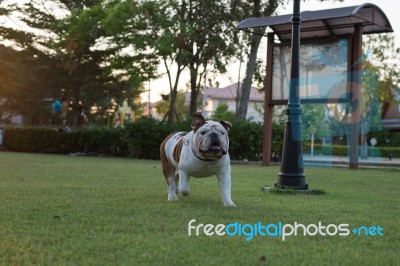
(168, 167)
(178, 147)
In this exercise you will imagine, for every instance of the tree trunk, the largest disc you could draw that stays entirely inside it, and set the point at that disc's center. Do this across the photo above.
(171, 112)
(248, 80)
(76, 111)
(194, 90)
(251, 63)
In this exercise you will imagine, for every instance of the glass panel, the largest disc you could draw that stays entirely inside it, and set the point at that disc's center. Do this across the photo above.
(323, 71)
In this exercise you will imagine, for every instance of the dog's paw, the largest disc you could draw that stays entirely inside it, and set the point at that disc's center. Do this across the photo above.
(185, 192)
(173, 198)
(229, 204)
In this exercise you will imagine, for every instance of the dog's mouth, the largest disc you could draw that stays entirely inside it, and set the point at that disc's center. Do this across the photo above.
(215, 148)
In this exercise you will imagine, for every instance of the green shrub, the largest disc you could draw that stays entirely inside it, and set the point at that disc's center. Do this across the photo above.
(105, 141)
(47, 140)
(339, 150)
(277, 140)
(44, 140)
(142, 139)
(343, 150)
(246, 140)
(144, 136)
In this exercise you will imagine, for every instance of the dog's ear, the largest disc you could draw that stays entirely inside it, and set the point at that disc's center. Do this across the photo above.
(198, 121)
(226, 125)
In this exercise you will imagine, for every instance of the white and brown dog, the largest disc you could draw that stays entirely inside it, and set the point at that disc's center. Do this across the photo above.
(200, 153)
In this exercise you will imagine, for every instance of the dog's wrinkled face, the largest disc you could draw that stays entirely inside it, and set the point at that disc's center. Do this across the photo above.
(210, 138)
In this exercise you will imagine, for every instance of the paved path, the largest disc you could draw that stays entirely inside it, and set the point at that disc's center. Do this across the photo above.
(343, 161)
(337, 161)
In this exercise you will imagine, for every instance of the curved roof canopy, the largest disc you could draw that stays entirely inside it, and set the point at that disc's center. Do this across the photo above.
(325, 23)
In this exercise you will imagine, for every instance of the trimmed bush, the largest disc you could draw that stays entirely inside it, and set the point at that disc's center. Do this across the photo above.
(104, 141)
(144, 137)
(342, 150)
(142, 140)
(42, 140)
(339, 150)
(246, 140)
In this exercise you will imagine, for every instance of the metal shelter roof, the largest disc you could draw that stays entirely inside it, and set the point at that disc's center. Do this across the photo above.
(325, 23)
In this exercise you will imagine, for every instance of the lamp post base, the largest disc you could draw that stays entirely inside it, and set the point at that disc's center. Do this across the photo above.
(295, 181)
(287, 190)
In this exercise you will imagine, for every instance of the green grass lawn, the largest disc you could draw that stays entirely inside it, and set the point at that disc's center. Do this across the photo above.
(62, 210)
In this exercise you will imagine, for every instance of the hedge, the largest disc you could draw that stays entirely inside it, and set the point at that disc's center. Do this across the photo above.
(48, 140)
(140, 139)
(342, 150)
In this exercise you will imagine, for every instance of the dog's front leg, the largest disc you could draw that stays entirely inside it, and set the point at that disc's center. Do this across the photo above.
(224, 182)
(184, 183)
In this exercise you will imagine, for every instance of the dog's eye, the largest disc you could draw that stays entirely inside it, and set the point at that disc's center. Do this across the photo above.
(203, 132)
(222, 132)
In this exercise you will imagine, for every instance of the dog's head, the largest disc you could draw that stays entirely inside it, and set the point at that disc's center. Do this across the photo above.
(210, 138)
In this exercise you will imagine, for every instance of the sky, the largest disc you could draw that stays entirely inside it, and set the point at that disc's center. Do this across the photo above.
(389, 7)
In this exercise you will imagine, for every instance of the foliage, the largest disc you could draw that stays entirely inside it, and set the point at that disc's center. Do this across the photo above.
(140, 139)
(186, 34)
(162, 107)
(92, 64)
(386, 138)
(145, 136)
(255, 9)
(314, 121)
(101, 141)
(43, 140)
(343, 150)
(49, 140)
(278, 129)
(246, 140)
(207, 44)
(383, 57)
(222, 113)
(24, 87)
(70, 55)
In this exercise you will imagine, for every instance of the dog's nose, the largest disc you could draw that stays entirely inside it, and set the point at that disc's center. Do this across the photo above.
(214, 136)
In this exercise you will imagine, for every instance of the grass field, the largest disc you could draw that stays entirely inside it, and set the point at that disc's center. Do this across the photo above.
(66, 210)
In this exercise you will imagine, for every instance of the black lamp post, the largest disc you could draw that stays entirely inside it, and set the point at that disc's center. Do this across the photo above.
(292, 171)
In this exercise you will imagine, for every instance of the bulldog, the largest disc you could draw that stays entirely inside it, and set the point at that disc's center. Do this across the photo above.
(201, 152)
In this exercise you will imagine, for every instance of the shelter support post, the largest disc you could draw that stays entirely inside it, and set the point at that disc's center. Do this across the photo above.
(355, 91)
(268, 107)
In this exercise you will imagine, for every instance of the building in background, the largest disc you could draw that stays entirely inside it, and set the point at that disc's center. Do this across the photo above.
(229, 95)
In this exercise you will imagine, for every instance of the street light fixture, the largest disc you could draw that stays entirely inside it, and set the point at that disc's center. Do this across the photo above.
(292, 174)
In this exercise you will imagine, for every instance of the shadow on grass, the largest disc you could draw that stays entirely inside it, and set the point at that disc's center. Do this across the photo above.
(288, 191)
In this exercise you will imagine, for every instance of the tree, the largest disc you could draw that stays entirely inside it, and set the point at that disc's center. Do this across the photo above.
(28, 73)
(380, 83)
(94, 70)
(259, 8)
(255, 39)
(197, 36)
(149, 28)
(162, 107)
(382, 57)
(222, 113)
(97, 71)
(23, 87)
(207, 37)
(314, 123)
